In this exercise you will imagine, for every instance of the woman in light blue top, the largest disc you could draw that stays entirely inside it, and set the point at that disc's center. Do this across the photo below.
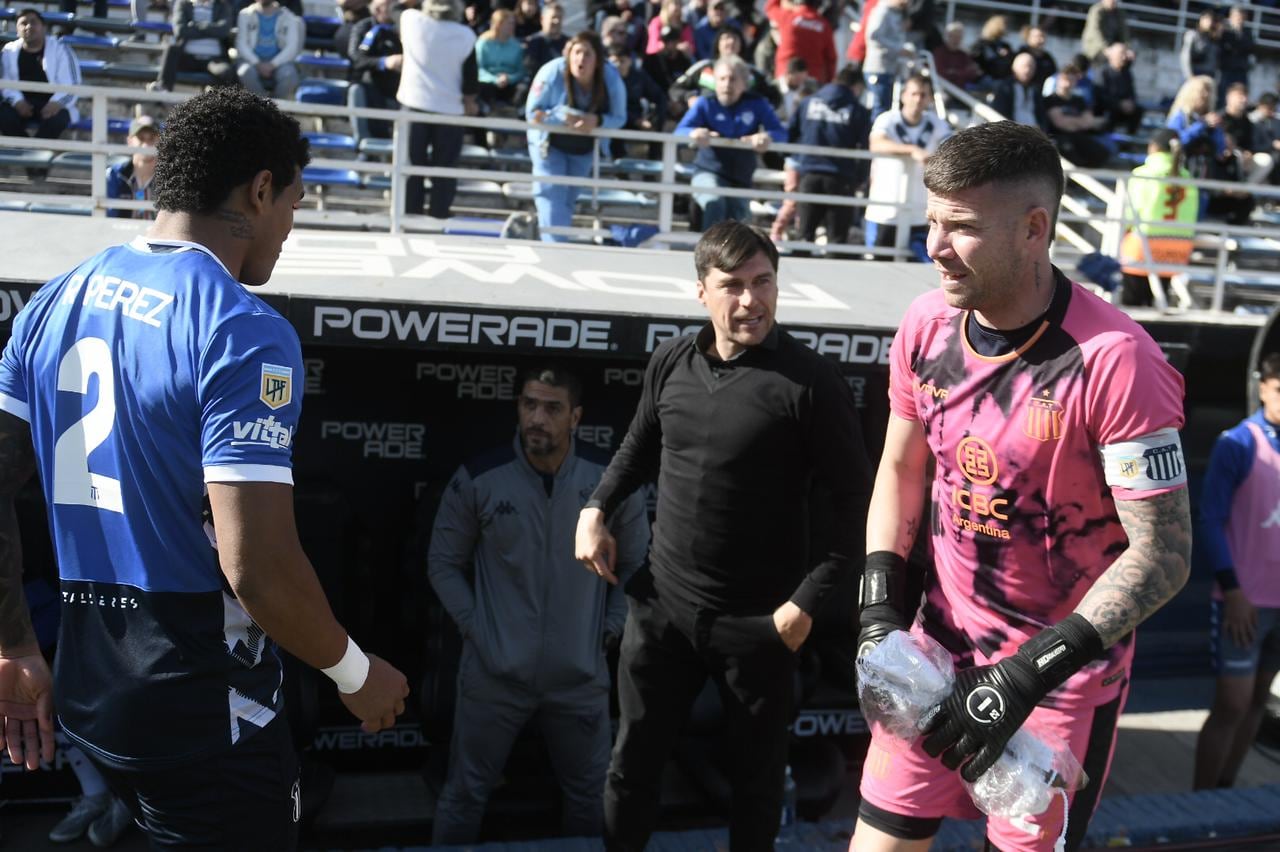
(579, 91)
(500, 59)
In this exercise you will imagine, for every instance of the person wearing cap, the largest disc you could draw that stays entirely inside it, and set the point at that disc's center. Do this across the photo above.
(131, 179)
(36, 57)
(439, 75)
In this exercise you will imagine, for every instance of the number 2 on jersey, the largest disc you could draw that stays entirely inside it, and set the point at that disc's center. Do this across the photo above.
(73, 483)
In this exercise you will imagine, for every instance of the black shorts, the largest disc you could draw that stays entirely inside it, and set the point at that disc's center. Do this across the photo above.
(245, 798)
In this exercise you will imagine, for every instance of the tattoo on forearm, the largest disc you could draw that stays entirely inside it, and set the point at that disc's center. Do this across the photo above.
(238, 223)
(909, 536)
(1149, 573)
(17, 463)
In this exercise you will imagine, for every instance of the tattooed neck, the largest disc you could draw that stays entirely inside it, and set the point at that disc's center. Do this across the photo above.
(237, 223)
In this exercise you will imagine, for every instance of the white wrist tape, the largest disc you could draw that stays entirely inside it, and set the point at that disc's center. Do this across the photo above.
(350, 672)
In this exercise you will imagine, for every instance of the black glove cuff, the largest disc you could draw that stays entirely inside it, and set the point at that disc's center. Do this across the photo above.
(884, 580)
(1060, 651)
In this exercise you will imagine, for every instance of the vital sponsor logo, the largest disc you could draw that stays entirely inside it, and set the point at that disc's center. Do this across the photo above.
(265, 431)
(277, 386)
(463, 329)
(473, 381)
(1164, 464)
(379, 440)
(930, 389)
(110, 293)
(977, 461)
(828, 723)
(1044, 418)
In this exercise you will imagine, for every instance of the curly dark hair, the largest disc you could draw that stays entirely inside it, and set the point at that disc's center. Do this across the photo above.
(219, 140)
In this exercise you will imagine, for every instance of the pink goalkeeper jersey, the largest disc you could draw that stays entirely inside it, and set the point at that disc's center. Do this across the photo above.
(1023, 519)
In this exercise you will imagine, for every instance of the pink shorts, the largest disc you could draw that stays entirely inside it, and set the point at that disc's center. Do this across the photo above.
(914, 788)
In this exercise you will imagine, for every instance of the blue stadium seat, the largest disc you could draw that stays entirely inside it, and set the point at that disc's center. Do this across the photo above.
(25, 158)
(617, 198)
(330, 177)
(132, 71)
(161, 27)
(91, 42)
(324, 63)
(320, 31)
(81, 161)
(331, 142)
(314, 90)
(376, 147)
(92, 66)
(115, 126)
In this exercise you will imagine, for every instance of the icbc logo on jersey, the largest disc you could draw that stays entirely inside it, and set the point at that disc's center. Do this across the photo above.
(978, 463)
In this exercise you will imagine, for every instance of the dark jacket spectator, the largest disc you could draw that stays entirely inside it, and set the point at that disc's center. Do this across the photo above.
(993, 54)
(1115, 93)
(699, 79)
(802, 31)
(832, 117)
(646, 100)
(201, 37)
(1017, 97)
(376, 55)
(1104, 24)
(548, 44)
(1237, 48)
(667, 65)
(1202, 47)
(1071, 123)
(704, 34)
(953, 62)
(528, 18)
(1034, 44)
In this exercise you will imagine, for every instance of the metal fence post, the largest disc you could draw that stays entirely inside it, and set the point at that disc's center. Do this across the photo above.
(98, 174)
(399, 154)
(666, 200)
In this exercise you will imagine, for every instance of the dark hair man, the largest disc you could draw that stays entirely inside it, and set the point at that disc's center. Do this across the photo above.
(36, 57)
(155, 388)
(738, 419)
(534, 626)
(1061, 518)
(1239, 529)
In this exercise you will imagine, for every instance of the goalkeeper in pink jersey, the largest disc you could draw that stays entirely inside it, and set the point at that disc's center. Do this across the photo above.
(1059, 517)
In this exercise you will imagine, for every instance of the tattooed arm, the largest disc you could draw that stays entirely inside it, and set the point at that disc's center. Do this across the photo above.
(897, 502)
(26, 687)
(1147, 574)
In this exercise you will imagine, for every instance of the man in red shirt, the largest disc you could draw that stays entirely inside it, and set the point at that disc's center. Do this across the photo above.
(802, 32)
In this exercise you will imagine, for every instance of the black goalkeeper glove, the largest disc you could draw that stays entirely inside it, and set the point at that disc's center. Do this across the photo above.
(884, 581)
(989, 703)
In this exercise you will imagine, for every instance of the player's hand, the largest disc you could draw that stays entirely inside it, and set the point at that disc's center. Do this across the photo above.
(381, 699)
(594, 546)
(793, 624)
(26, 709)
(986, 706)
(701, 136)
(1239, 618)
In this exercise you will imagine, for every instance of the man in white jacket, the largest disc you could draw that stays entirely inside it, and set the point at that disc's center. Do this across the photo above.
(269, 39)
(36, 58)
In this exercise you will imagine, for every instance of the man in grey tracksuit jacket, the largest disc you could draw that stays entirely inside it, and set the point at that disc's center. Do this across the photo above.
(534, 624)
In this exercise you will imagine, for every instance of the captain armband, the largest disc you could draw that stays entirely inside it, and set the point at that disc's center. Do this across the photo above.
(1151, 463)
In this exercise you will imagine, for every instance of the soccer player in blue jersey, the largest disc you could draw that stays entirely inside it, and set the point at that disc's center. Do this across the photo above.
(141, 383)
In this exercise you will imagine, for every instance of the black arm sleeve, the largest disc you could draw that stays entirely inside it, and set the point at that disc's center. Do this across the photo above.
(361, 61)
(838, 457)
(637, 459)
(470, 75)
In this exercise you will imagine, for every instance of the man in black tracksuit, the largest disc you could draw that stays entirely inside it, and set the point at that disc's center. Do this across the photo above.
(376, 57)
(738, 420)
(831, 117)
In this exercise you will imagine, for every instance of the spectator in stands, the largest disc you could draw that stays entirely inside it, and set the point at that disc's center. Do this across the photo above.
(528, 20)
(377, 59)
(269, 39)
(201, 37)
(1236, 54)
(857, 50)
(646, 100)
(911, 133)
(671, 16)
(439, 76)
(801, 30)
(549, 43)
(1116, 95)
(886, 48)
(1072, 125)
(833, 117)
(36, 56)
(707, 30)
(1202, 47)
(1199, 128)
(668, 65)
(499, 61)
(132, 178)
(1239, 496)
(1256, 162)
(953, 62)
(1033, 43)
(1266, 129)
(1104, 25)
(731, 114)
(1018, 98)
(522, 659)
(1155, 201)
(700, 79)
(794, 86)
(581, 91)
(634, 33)
(351, 12)
(993, 54)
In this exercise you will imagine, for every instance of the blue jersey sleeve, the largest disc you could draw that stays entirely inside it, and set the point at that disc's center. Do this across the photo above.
(250, 398)
(1229, 464)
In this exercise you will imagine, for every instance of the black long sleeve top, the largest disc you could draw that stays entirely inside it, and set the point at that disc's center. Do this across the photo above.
(737, 446)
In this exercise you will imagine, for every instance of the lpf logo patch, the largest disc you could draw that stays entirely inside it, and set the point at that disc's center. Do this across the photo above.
(277, 386)
(985, 705)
